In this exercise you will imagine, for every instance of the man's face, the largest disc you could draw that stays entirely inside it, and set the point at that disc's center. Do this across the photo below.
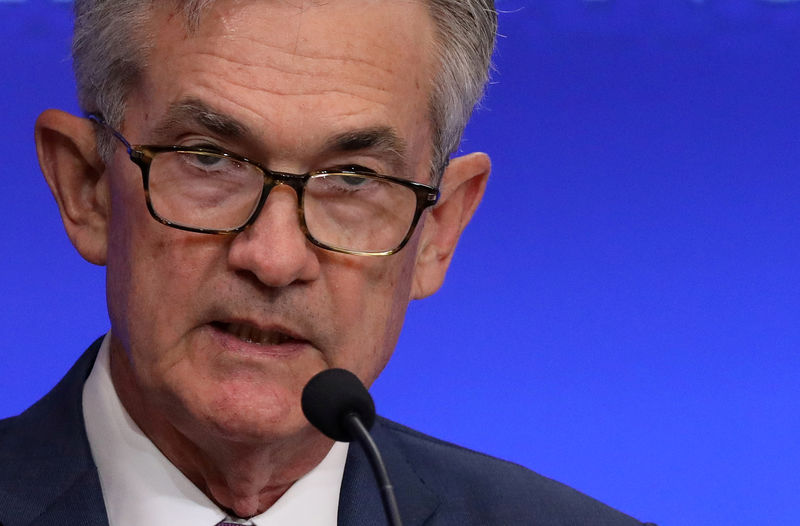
(221, 333)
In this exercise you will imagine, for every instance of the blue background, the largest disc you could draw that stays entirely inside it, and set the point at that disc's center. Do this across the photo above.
(622, 315)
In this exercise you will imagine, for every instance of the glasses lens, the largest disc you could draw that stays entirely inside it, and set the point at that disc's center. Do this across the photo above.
(204, 190)
(358, 212)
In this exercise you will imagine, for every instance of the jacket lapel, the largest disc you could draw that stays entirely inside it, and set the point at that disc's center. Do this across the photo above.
(360, 501)
(83, 494)
(48, 470)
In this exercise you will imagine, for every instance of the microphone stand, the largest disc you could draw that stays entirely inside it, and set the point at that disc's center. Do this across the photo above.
(356, 428)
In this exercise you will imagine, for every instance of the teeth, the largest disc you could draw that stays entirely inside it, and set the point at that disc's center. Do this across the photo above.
(250, 334)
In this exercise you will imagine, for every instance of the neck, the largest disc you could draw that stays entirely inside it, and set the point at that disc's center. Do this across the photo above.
(243, 477)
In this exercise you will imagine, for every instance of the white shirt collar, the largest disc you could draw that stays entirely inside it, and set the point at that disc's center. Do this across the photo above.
(140, 486)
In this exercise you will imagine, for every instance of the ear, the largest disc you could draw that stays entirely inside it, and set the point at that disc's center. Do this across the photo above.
(462, 188)
(73, 169)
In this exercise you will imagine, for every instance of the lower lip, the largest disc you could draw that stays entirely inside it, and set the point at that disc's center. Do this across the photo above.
(231, 343)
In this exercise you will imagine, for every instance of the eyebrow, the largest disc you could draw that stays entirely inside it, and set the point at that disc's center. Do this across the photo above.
(381, 141)
(197, 112)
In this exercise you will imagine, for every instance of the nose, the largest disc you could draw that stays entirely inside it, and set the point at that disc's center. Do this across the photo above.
(274, 248)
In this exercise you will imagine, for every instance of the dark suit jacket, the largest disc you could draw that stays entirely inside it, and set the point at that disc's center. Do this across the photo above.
(48, 477)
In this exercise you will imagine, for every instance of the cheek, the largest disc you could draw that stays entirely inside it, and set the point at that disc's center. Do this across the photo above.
(152, 272)
(370, 297)
(121, 260)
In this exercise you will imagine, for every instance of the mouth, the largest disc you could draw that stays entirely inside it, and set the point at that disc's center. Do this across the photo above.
(251, 334)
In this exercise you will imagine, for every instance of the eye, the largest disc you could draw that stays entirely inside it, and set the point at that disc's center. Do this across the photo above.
(352, 180)
(353, 168)
(346, 182)
(207, 164)
(206, 160)
(340, 183)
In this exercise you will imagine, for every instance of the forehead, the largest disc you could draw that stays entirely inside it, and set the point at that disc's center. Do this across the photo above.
(290, 64)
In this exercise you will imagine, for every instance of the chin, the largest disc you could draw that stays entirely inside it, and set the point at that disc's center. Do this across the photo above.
(253, 417)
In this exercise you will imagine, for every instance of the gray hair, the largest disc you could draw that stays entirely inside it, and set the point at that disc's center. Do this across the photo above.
(109, 57)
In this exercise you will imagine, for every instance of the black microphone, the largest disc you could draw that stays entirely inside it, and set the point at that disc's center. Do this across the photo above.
(337, 403)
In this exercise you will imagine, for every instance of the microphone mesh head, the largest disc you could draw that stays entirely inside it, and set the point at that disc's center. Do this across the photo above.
(330, 395)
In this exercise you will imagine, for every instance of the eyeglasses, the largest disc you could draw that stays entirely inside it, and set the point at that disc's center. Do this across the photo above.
(215, 192)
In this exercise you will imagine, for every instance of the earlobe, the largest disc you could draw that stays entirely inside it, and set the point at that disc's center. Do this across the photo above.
(68, 157)
(462, 188)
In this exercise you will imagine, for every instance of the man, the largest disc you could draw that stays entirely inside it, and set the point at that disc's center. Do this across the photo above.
(260, 178)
